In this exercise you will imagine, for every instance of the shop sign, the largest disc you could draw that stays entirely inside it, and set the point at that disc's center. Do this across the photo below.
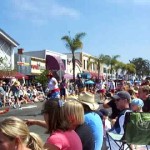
(22, 64)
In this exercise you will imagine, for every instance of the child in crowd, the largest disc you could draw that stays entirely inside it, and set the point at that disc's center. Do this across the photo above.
(105, 118)
(104, 114)
(136, 105)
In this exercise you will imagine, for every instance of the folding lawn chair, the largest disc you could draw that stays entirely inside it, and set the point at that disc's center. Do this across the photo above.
(136, 131)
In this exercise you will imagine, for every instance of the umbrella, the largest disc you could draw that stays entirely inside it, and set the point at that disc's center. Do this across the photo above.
(68, 76)
(89, 82)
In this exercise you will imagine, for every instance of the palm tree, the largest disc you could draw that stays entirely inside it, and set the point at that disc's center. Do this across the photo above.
(73, 44)
(89, 62)
(112, 60)
(101, 59)
(118, 66)
(130, 68)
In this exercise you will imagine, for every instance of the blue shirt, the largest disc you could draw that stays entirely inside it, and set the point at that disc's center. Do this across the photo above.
(95, 123)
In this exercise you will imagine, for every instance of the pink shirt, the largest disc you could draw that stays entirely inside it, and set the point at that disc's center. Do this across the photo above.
(65, 140)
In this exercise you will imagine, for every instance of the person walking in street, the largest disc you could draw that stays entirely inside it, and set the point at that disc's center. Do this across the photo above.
(62, 87)
(54, 91)
(15, 88)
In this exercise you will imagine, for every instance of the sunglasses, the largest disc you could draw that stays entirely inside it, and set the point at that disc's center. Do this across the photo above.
(117, 100)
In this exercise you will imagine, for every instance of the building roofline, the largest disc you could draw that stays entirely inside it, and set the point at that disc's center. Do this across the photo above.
(57, 53)
(47, 51)
(8, 38)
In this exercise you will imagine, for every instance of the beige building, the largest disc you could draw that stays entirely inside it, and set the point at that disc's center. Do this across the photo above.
(82, 64)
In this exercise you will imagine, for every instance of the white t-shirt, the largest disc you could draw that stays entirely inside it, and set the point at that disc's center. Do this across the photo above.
(112, 85)
(51, 84)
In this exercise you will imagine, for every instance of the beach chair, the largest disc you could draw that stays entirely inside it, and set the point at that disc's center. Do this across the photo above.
(136, 131)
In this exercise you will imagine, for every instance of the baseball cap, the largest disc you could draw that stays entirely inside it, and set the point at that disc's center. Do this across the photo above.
(137, 102)
(122, 95)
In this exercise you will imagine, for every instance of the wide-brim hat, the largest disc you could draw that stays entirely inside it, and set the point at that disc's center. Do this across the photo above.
(17, 83)
(88, 99)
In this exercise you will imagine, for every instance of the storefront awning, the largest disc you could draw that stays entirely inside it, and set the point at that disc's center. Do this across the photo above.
(54, 63)
(12, 74)
(19, 75)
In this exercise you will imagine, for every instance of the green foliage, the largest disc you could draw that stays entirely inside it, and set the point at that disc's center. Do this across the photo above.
(112, 61)
(42, 78)
(73, 44)
(130, 67)
(142, 66)
(89, 63)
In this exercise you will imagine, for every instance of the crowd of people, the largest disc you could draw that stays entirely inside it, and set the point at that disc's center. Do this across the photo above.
(14, 94)
(76, 122)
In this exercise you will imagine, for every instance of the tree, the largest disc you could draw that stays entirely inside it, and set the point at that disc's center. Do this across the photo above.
(142, 66)
(73, 44)
(42, 78)
(89, 62)
(119, 65)
(101, 59)
(130, 68)
(123, 68)
(112, 61)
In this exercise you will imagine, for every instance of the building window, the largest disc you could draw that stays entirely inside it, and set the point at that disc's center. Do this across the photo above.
(64, 61)
(93, 67)
(104, 70)
(84, 64)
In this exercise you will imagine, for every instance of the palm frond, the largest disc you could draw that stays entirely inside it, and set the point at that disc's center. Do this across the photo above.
(79, 36)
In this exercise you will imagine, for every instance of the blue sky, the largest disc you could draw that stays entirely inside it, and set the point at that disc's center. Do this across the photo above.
(114, 27)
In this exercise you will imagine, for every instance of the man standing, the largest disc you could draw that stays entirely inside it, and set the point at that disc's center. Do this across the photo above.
(144, 94)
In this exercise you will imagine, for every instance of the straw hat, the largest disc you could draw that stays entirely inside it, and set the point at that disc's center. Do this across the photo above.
(88, 99)
(17, 83)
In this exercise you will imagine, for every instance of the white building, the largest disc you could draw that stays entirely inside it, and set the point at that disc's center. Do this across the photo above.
(7, 45)
(54, 61)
